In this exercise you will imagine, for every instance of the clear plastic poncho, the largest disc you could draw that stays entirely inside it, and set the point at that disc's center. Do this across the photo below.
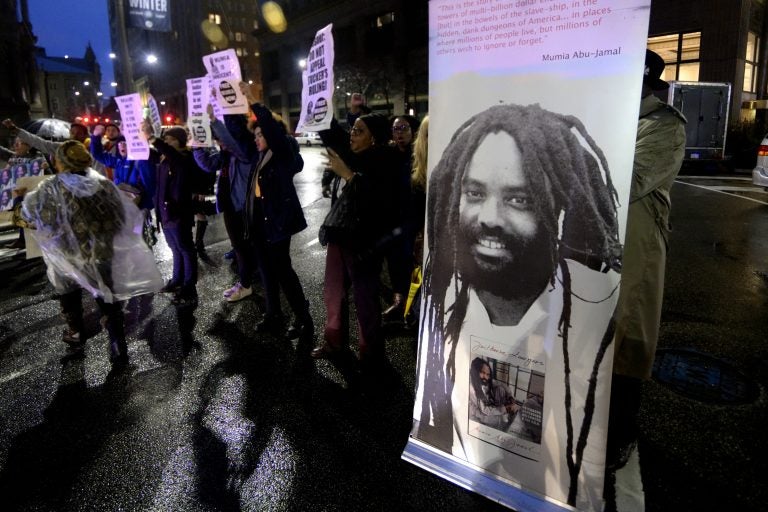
(90, 236)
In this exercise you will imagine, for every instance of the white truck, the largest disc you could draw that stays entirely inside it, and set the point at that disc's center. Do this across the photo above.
(705, 105)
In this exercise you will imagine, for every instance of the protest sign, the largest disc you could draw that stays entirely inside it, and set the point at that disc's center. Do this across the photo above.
(154, 114)
(224, 72)
(318, 86)
(131, 115)
(198, 97)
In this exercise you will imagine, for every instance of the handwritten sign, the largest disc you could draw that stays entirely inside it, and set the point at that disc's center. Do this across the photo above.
(154, 114)
(318, 87)
(131, 115)
(224, 71)
(198, 97)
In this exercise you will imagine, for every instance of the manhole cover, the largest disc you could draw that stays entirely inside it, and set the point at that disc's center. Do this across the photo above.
(702, 377)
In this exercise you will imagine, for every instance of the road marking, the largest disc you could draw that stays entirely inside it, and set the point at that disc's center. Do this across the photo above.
(723, 178)
(740, 189)
(721, 191)
(312, 242)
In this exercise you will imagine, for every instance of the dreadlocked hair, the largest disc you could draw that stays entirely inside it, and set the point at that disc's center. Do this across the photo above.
(577, 208)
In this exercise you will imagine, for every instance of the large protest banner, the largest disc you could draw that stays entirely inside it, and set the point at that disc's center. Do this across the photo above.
(149, 14)
(224, 72)
(533, 115)
(131, 114)
(317, 79)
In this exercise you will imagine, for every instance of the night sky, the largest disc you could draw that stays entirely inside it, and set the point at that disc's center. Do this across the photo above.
(65, 28)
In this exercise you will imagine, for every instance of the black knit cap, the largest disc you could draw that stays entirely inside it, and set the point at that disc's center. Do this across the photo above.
(379, 127)
(654, 67)
(178, 133)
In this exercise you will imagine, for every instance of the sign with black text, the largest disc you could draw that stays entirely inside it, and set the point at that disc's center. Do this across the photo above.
(318, 86)
(533, 115)
(224, 73)
(149, 14)
(131, 114)
(198, 97)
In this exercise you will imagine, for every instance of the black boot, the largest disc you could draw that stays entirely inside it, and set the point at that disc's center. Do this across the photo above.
(200, 227)
(72, 312)
(118, 348)
(302, 326)
(272, 324)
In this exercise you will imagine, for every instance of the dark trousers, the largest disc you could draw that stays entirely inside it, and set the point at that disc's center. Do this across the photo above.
(343, 268)
(399, 256)
(182, 246)
(277, 272)
(234, 222)
(72, 310)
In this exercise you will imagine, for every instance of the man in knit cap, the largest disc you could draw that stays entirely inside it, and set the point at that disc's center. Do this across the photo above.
(174, 208)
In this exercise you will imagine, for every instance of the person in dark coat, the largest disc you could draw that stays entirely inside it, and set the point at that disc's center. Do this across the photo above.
(273, 214)
(234, 161)
(365, 162)
(173, 204)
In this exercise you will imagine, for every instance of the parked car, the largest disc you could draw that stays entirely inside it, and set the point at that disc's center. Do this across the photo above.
(309, 139)
(760, 172)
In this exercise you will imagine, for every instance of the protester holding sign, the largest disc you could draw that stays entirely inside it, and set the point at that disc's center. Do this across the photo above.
(234, 161)
(364, 164)
(273, 215)
(173, 201)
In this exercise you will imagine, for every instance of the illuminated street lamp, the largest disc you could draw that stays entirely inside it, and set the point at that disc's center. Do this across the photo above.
(302, 63)
(77, 93)
(86, 83)
(151, 58)
(113, 84)
(99, 93)
(112, 55)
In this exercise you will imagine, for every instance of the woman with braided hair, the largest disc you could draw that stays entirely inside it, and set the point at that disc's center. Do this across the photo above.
(524, 252)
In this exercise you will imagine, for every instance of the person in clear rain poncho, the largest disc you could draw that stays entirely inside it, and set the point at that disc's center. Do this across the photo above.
(90, 236)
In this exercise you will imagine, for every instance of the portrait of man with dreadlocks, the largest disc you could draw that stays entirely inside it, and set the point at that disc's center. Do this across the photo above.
(523, 266)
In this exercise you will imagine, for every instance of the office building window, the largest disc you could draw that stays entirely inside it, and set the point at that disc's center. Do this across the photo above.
(750, 63)
(214, 18)
(385, 19)
(681, 54)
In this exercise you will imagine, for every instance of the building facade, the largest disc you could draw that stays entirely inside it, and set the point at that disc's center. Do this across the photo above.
(179, 52)
(69, 86)
(715, 41)
(19, 91)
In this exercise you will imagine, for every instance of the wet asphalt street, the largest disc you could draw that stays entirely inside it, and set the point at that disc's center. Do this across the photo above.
(211, 416)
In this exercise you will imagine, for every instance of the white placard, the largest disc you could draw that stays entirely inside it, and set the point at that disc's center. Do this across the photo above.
(533, 116)
(318, 85)
(224, 71)
(154, 114)
(198, 96)
(131, 115)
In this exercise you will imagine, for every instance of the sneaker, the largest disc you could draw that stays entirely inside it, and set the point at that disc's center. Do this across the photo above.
(239, 294)
(229, 255)
(230, 291)
(183, 299)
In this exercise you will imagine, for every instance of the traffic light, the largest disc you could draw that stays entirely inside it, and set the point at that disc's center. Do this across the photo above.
(168, 119)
